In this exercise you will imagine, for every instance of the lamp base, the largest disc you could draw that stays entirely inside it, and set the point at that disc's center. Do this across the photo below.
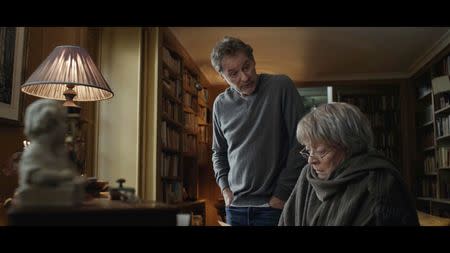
(73, 110)
(69, 94)
(70, 103)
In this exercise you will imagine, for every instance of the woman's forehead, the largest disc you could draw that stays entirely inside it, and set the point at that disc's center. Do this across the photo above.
(317, 145)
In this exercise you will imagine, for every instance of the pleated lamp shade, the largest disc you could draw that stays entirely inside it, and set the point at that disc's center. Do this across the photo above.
(68, 74)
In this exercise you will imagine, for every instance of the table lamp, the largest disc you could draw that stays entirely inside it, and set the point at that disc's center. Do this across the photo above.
(69, 74)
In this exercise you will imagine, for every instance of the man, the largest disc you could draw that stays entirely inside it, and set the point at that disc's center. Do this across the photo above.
(255, 152)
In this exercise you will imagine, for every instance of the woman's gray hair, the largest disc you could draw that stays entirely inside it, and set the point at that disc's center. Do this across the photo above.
(339, 125)
(229, 46)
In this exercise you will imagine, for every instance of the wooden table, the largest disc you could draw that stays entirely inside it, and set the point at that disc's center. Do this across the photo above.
(96, 212)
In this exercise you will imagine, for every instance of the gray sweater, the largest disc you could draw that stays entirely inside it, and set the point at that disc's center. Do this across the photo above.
(255, 150)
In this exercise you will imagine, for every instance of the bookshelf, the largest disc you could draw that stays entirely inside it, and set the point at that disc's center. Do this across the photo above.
(426, 171)
(204, 130)
(433, 138)
(381, 106)
(171, 128)
(181, 122)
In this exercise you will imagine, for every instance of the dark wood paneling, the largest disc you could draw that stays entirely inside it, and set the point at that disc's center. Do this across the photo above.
(40, 42)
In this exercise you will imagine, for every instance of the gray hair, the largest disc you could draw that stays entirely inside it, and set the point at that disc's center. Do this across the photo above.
(339, 125)
(229, 46)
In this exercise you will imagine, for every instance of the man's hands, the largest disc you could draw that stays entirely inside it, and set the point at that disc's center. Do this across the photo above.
(275, 202)
(227, 196)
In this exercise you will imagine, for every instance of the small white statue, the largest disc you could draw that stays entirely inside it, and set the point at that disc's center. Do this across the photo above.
(46, 174)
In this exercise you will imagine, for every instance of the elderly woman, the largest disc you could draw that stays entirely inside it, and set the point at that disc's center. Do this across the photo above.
(346, 182)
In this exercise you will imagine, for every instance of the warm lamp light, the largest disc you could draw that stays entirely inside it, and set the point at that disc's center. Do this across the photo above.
(68, 74)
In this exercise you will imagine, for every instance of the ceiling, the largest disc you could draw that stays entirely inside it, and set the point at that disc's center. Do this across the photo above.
(322, 53)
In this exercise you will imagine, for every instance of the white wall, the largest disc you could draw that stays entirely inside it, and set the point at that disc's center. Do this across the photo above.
(118, 117)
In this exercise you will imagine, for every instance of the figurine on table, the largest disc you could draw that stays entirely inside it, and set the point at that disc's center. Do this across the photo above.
(46, 174)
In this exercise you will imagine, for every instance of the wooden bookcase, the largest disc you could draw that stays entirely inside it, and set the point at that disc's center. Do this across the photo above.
(381, 105)
(204, 130)
(433, 139)
(183, 115)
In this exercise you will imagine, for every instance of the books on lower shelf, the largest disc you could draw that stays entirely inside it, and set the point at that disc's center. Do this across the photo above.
(169, 165)
(443, 157)
(428, 187)
(172, 192)
(381, 107)
(433, 130)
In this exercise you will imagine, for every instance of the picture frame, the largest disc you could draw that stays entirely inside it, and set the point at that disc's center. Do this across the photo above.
(12, 58)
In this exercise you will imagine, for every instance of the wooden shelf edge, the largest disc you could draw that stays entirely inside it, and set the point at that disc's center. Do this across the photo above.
(424, 95)
(442, 137)
(170, 150)
(425, 198)
(188, 109)
(189, 131)
(172, 72)
(202, 102)
(429, 123)
(447, 108)
(190, 154)
(432, 199)
(431, 148)
(190, 92)
(173, 122)
(171, 178)
(168, 94)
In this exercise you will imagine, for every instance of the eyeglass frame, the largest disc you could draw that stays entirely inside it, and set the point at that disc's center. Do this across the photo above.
(306, 154)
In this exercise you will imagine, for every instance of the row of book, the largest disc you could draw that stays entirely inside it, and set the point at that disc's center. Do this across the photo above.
(203, 114)
(173, 87)
(172, 192)
(389, 152)
(443, 126)
(385, 140)
(190, 83)
(442, 100)
(203, 94)
(385, 120)
(442, 68)
(372, 103)
(170, 138)
(442, 158)
(190, 101)
(190, 122)
(428, 188)
(430, 165)
(169, 165)
(204, 134)
(171, 109)
(168, 58)
(190, 143)
(204, 156)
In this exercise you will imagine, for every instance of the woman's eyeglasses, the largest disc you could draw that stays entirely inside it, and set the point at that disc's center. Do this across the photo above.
(306, 154)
